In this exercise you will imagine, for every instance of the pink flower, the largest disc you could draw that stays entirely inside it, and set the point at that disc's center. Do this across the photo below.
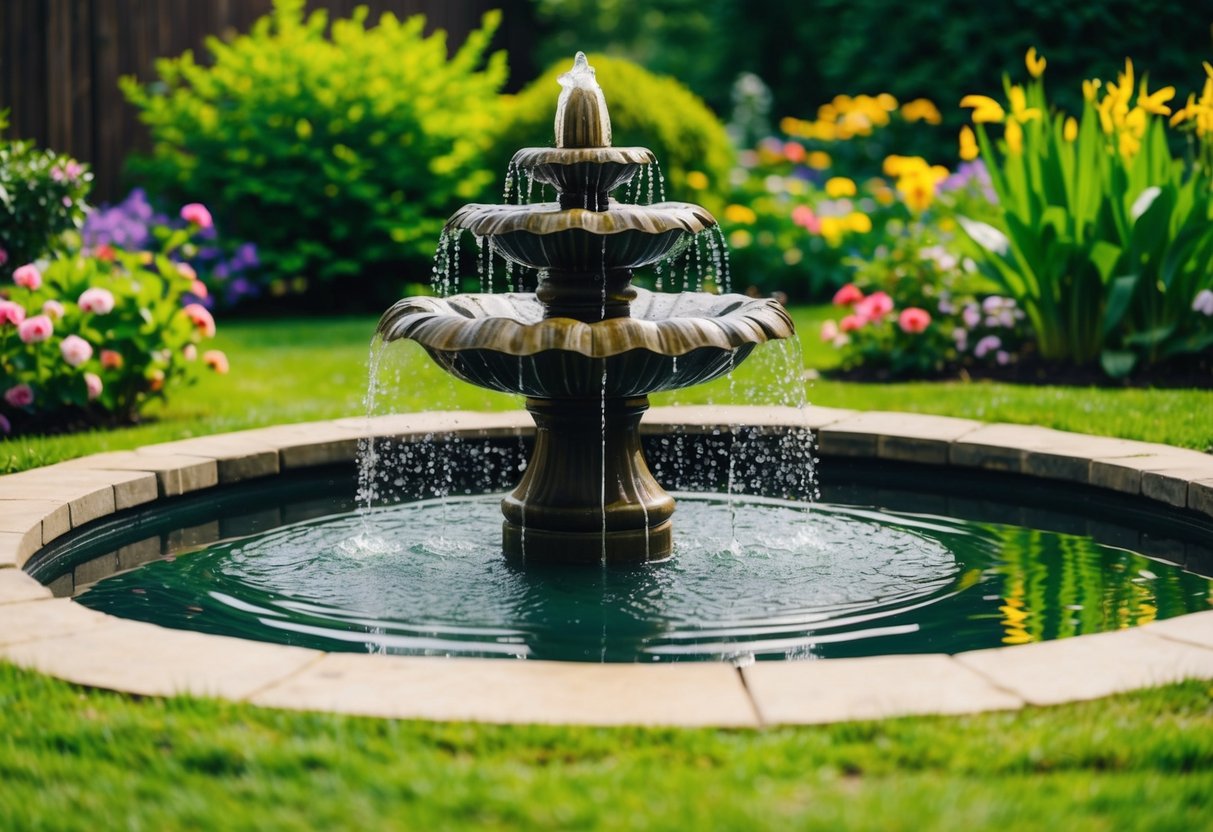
(21, 395)
(794, 151)
(105, 252)
(97, 301)
(216, 360)
(28, 276)
(874, 307)
(111, 360)
(93, 385)
(829, 330)
(186, 270)
(198, 289)
(35, 330)
(6, 427)
(75, 350)
(851, 323)
(3, 257)
(201, 318)
(914, 320)
(848, 295)
(11, 313)
(189, 352)
(196, 214)
(54, 309)
(803, 216)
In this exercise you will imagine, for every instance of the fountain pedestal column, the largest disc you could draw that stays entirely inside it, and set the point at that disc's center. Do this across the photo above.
(587, 494)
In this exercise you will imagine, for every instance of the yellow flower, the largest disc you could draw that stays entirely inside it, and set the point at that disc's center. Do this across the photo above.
(1129, 145)
(888, 102)
(1036, 65)
(1070, 130)
(1014, 137)
(1188, 111)
(859, 223)
(1020, 111)
(968, 144)
(916, 182)
(921, 109)
(1208, 68)
(839, 186)
(1090, 89)
(697, 179)
(901, 165)
(740, 214)
(985, 109)
(831, 230)
(1135, 122)
(1156, 101)
(818, 159)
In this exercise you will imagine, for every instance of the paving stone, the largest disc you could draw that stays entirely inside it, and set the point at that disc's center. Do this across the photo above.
(1170, 486)
(148, 660)
(1088, 667)
(1200, 496)
(51, 518)
(174, 474)
(909, 437)
(697, 418)
(1125, 473)
(17, 547)
(520, 691)
(236, 457)
(1069, 457)
(63, 587)
(17, 586)
(89, 494)
(999, 447)
(42, 619)
(1194, 628)
(835, 690)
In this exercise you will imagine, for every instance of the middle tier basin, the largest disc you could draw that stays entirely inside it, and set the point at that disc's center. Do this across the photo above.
(546, 236)
(504, 343)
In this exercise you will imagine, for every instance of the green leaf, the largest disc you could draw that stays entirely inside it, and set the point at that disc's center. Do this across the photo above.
(1120, 294)
(1117, 363)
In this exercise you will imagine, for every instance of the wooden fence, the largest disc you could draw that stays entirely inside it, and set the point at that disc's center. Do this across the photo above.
(60, 61)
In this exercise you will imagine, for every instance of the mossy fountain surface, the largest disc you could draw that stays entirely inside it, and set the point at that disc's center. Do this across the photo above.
(587, 348)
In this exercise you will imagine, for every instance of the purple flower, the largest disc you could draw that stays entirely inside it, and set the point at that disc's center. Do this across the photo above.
(971, 315)
(987, 345)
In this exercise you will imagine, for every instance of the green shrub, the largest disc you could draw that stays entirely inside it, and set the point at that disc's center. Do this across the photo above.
(41, 196)
(92, 338)
(340, 155)
(648, 110)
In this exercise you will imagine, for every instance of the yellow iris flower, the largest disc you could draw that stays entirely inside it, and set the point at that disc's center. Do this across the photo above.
(1036, 64)
(1090, 89)
(1070, 131)
(985, 109)
(1155, 102)
(1014, 137)
(968, 144)
(1020, 111)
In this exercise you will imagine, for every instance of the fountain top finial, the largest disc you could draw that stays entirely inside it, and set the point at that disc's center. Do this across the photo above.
(582, 119)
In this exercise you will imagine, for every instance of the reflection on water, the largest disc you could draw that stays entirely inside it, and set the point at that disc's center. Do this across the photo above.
(771, 579)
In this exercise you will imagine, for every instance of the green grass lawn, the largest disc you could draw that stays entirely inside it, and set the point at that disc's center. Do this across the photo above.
(77, 759)
(299, 370)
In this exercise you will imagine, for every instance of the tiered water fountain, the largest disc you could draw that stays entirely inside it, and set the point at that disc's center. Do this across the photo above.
(587, 348)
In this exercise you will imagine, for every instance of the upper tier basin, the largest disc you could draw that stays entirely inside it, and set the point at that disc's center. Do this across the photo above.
(503, 342)
(546, 236)
(583, 170)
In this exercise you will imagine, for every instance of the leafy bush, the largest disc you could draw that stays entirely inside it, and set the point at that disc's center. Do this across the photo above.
(340, 156)
(648, 110)
(133, 224)
(41, 196)
(1105, 238)
(93, 338)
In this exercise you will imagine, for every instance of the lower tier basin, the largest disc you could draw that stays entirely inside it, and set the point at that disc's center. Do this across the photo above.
(894, 559)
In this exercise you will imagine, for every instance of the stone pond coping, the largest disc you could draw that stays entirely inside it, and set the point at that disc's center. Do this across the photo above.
(67, 640)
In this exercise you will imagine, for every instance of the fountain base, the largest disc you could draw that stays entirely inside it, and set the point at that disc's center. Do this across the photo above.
(587, 495)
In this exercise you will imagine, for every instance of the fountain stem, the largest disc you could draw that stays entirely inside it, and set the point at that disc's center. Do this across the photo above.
(585, 477)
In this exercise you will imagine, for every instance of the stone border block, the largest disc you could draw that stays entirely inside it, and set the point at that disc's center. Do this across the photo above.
(489, 690)
(1125, 474)
(835, 690)
(16, 587)
(174, 474)
(32, 620)
(1194, 628)
(1200, 496)
(907, 437)
(1090, 666)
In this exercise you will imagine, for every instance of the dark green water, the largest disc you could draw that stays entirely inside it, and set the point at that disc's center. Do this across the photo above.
(759, 578)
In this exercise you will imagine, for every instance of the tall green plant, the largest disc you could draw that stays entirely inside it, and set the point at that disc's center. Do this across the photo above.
(339, 150)
(1106, 237)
